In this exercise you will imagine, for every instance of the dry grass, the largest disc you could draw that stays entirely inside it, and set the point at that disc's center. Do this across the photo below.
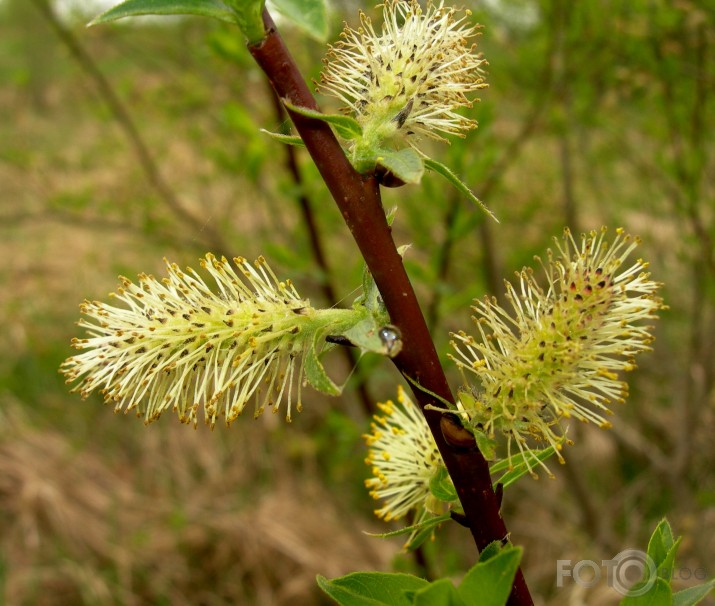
(189, 517)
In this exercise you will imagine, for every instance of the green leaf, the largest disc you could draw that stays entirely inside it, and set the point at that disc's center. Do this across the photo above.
(438, 593)
(135, 8)
(489, 583)
(315, 371)
(486, 445)
(372, 588)
(520, 468)
(693, 595)
(447, 173)
(662, 548)
(345, 126)
(425, 532)
(368, 335)
(309, 15)
(287, 139)
(440, 485)
(659, 594)
(660, 542)
(491, 550)
(405, 164)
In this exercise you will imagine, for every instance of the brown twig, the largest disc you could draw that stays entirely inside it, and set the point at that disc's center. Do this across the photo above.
(358, 198)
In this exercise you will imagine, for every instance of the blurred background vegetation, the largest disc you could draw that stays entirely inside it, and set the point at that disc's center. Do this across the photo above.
(123, 144)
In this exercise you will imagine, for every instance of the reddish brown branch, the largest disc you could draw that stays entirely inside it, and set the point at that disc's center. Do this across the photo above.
(358, 198)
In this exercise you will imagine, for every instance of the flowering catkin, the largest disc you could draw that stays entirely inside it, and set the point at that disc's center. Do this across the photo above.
(177, 345)
(559, 353)
(407, 81)
(403, 457)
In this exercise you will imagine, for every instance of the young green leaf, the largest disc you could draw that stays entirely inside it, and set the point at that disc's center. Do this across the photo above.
(315, 371)
(520, 468)
(287, 139)
(659, 594)
(418, 532)
(493, 549)
(405, 164)
(372, 588)
(693, 595)
(486, 445)
(488, 583)
(425, 532)
(447, 173)
(662, 548)
(309, 15)
(369, 336)
(135, 8)
(441, 486)
(438, 593)
(345, 126)
(428, 523)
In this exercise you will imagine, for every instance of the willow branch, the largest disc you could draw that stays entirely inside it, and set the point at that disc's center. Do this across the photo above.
(358, 198)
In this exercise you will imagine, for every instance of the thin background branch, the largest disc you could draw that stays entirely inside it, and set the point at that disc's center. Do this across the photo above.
(126, 123)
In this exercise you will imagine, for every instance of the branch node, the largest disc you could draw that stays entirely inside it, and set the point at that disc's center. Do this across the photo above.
(454, 433)
(460, 518)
